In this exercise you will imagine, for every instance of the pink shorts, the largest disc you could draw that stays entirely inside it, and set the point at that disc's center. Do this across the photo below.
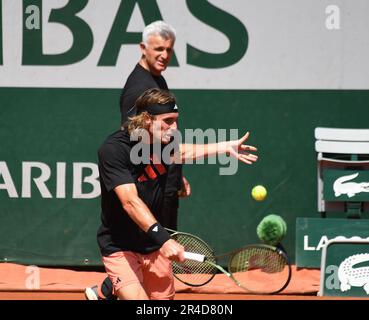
(153, 271)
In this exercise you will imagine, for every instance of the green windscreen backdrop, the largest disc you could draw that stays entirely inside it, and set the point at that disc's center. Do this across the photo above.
(67, 126)
(277, 81)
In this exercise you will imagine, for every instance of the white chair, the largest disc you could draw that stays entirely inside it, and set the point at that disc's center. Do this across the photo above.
(348, 274)
(341, 149)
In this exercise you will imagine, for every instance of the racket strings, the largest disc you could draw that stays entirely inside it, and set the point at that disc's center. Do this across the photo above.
(260, 269)
(190, 271)
(267, 260)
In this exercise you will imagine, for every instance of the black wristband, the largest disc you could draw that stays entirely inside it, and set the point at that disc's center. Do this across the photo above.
(157, 233)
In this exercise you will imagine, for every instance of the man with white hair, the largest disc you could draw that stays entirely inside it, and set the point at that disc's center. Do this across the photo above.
(157, 44)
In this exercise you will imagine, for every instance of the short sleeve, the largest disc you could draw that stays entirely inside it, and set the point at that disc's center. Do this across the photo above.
(114, 166)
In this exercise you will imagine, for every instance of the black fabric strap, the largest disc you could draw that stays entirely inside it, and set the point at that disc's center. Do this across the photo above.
(157, 233)
(156, 109)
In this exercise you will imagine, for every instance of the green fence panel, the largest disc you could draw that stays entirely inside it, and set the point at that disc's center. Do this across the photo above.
(49, 204)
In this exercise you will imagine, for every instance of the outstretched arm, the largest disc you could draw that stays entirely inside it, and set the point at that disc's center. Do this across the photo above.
(235, 148)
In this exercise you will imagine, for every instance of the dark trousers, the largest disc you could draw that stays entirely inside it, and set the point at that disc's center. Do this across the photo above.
(169, 213)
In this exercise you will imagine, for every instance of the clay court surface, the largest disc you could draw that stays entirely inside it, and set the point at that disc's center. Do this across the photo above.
(45, 295)
(18, 282)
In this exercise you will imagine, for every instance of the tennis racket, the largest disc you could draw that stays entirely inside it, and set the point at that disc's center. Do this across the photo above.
(256, 268)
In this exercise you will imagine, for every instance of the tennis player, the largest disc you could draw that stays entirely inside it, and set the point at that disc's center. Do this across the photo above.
(156, 49)
(136, 250)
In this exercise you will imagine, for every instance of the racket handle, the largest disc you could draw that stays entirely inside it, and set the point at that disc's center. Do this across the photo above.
(194, 256)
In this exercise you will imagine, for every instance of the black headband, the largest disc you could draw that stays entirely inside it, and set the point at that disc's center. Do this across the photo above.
(155, 109)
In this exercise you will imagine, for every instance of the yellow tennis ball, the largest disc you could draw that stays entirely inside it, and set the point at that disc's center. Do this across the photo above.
(259, 193)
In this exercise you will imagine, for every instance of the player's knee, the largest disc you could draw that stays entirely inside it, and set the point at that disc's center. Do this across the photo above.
(131, 292)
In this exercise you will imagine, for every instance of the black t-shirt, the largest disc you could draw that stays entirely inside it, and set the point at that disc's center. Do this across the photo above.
(118, 232)
(139, 81)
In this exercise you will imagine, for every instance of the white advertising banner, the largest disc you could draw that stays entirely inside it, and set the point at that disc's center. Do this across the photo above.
(234, 44)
